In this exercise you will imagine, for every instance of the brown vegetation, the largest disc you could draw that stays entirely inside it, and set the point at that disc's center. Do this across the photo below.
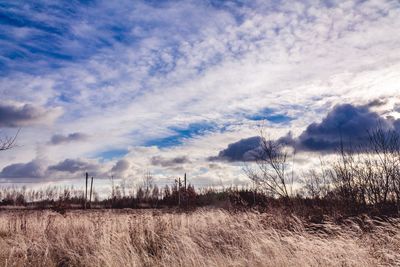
(346, 214)
(200, 238)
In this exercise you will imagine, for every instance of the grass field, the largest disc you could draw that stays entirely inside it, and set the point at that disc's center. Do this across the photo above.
(200, 238)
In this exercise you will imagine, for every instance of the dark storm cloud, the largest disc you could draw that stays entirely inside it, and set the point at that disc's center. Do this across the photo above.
(345, 123)
(73, 137)
(121, 166)
(249, 149)
(287, 140)
(243, 150)
(16, 116)
(72, 166)
(164, 162)
(396, 107)
(32, 169)
(377, 102)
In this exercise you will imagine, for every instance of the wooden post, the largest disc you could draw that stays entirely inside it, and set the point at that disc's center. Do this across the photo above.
(184, 192)
(179, 191)
(186, 198)
(87, 177)
(112, 187)
(254, 193)
(90, 195)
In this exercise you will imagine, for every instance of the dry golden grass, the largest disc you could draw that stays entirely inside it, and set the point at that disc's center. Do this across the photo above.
(201, 238)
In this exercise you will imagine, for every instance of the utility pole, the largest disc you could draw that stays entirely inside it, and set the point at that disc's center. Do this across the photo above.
(90, 196)
(112, 192)
(87, 177)
(179, 191)
(254, 193)
(186, 194)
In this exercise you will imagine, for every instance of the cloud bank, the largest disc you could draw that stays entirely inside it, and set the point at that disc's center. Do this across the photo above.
(19, 115)
(73, 166)
(345, 124)
(31, 170)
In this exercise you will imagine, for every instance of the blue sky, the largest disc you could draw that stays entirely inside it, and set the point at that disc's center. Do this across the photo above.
(119, 83)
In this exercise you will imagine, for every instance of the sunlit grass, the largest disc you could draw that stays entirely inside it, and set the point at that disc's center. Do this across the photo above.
(200, 238)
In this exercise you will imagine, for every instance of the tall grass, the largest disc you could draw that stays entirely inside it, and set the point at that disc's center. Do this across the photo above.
(200, 238)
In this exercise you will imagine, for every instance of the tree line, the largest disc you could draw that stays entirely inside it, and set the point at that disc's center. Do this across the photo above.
(362, 178)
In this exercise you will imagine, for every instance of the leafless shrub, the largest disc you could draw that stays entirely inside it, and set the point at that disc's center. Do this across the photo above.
(271, 172)
(369, 174)
(317, 183)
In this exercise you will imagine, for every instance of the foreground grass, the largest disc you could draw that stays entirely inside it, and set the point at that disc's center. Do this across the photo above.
(201, 238)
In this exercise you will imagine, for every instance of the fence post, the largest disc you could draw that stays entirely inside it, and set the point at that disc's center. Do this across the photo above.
(179, 191)
(87, 177)
(90, 195)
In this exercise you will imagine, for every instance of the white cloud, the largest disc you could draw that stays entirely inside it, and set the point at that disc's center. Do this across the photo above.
(185, 62)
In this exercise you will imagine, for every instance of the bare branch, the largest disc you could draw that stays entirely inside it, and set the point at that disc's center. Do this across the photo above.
(7, 143)
(269, 169)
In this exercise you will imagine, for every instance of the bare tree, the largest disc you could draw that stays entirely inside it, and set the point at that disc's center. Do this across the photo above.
(148, 184)
(386, 148)
(344, 175)
(317, 183)
(370, 173)
(270, 171)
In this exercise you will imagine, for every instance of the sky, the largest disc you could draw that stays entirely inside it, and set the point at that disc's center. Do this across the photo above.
(122, 88)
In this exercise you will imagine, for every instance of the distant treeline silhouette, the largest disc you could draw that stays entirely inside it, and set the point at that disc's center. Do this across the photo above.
(363, 178)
